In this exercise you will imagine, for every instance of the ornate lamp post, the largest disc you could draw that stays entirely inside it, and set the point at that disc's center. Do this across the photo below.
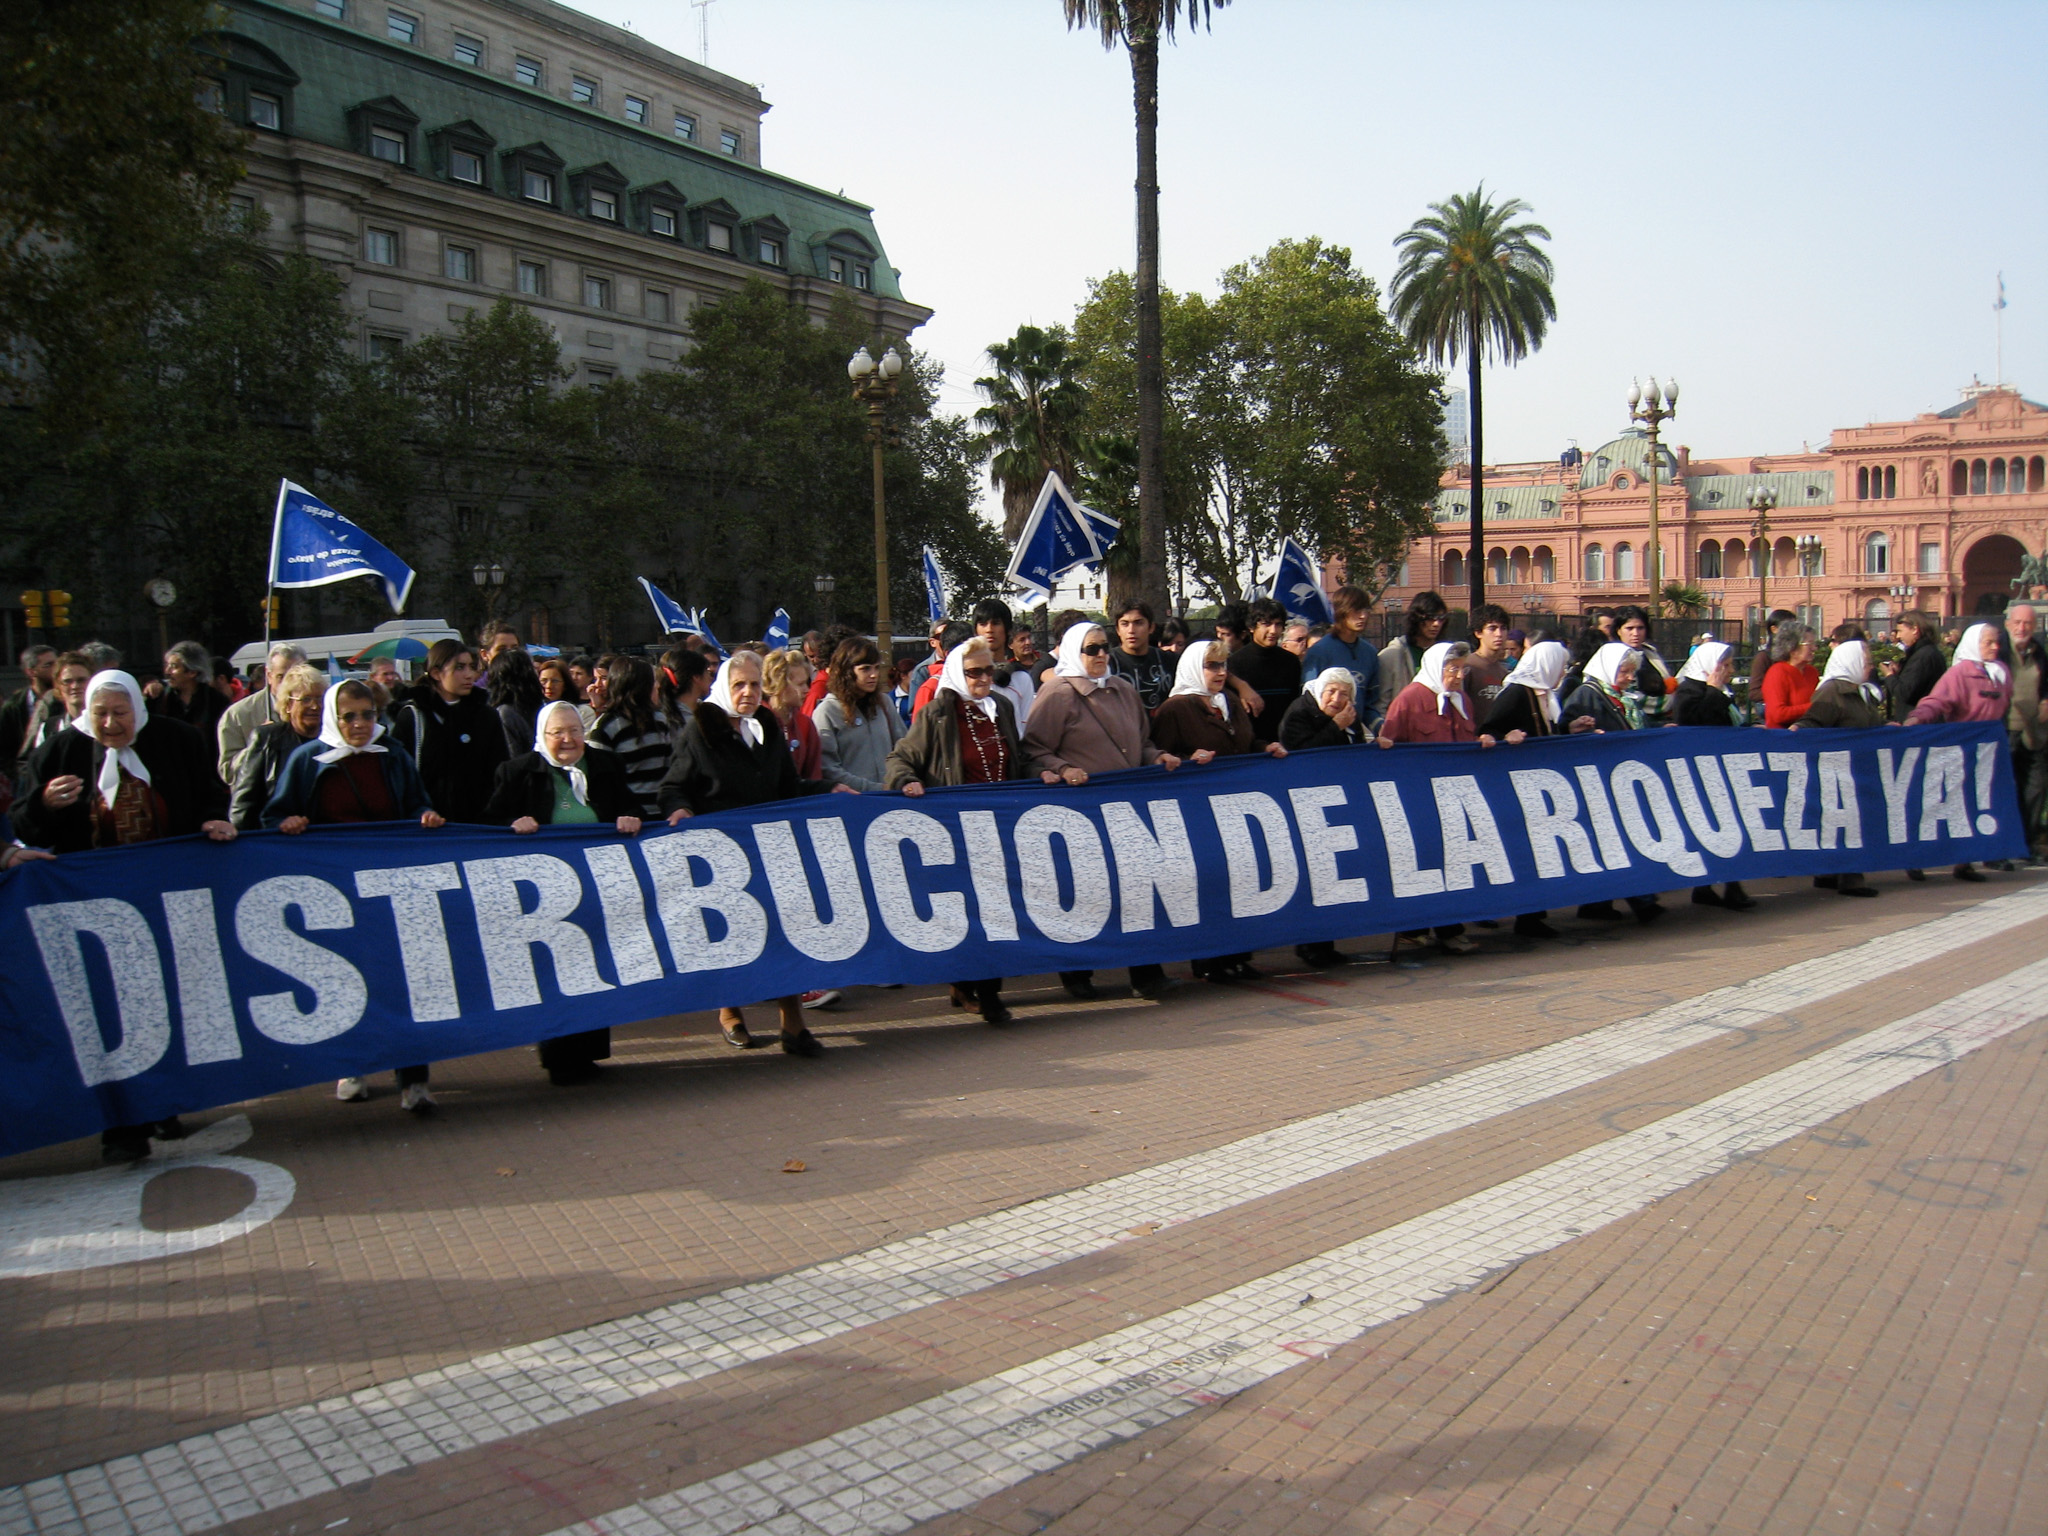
(490, 580)
(1644, 406)
(1761, 501)
(823, 586)
(1809, 562)
(874, 385)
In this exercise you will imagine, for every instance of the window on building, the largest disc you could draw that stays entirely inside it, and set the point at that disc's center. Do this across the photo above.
(597, 292)
(533, 279)
(1976, 477)
(1454, 568)
(1998, 477)
(771, 253)
(527, 71)
(1891, 481)
(459, 262)
(861, 279)
(1863, 483)
(636, 111)
(400, 27)
(1596, 563)
(386, 145)
(333, 10)
(656, 303)
(686, 128)
(537, 187)
(1877, 555)
(1930, 559)
(384, 347)
(661, 221)
(729, 141)
(380, 246)
(1543, 565)
(1497, 567)
(210, 94)
(718, 237)
(598, 373)
(464, 166)
(1624, 563)
(469, 50)
(604, 205)
(835, 268)
(581, 91)
(1710, 561)
(266, 112)
(2037, 474)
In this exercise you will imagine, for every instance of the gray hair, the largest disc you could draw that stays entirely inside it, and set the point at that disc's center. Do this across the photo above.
(1788, 639)
(193, 654)
(104, 657)
(1458, 651)
(289, 652)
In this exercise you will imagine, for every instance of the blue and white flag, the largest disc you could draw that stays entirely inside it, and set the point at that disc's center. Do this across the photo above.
(312, 545)
(675, 619)
(1298, 585)
(777, 638)
(934, 585)
(1059, 535)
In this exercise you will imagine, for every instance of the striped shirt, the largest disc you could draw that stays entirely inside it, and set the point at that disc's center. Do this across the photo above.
(644, 757)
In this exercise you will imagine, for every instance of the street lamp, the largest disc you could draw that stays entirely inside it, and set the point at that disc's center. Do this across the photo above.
(1761, 501)
(874, 385)
(1644, 406)
(823, 586)
(1809, 562)
(490, 580)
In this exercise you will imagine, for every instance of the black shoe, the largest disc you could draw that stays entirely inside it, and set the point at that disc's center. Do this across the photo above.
(1602, 912)
(2003, 866)
(1081, 991)
(1736, 899)
(1971, 873)
(803, 1043)
(1321, 956)
(571, 1077)
(1648, 913)
(1534, 928)
(1855, 890)
(128, 1148)
(1157, 988)
(738, 1037)
(172, 1129)
(1244, 970)
(1916, 874)
(994, 1011)
(1827, 882)
(1707, 896)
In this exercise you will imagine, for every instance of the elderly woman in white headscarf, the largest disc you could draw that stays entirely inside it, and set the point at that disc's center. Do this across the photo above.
(1845, 699)
(1976, 686)
(1529, 700)
(562, 783)
(1703, 699)
(1199, 721)
(733, 754)
(1087, 720)
(113, 777)
(1326, 714)
(1435, 707)
(1604, 697)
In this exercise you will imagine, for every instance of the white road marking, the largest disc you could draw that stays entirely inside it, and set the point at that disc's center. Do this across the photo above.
(282, 1458)
(950, 1452)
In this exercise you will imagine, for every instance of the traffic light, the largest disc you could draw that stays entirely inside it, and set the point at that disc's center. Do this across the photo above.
(273, 607)
(60, 609)
(33, 602)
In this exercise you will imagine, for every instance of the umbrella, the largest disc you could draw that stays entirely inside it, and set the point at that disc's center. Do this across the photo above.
(398, 648)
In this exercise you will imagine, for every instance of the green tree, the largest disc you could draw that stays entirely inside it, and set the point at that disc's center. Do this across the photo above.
(1035, 406)
(1473, 283)
(1138, 26)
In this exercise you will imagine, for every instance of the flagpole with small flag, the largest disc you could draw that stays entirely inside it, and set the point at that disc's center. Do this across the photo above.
(313, 545)
(1998, 316)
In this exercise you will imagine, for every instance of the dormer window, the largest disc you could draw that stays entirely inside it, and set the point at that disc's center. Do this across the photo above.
(766, 240)
(718, 237)
(383, 129)
(464, 166)
(254, 87)
(386, 145)
(604, 206)
(460, 151)
(537, 187)
(595, 190)
(658, 209)
(266, 112)
(771, 253)
(861, 278)
(662, 221)
(532, 173)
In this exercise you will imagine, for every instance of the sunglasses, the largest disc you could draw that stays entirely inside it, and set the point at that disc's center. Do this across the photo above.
(1098, 649)
(357, 716)
(979, 671)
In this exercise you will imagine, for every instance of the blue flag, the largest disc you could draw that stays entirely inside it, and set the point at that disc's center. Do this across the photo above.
(676, 619)
(312, 545)
(934, 585)
(1298, 585)
(1059, 535)
(777, 638)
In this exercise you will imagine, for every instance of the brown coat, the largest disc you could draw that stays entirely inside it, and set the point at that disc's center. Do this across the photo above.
(930, 751)
(1841, 704)
(1100, 731)
(1185, 725)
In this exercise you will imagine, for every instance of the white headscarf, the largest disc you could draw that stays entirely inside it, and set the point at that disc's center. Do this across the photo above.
(1706, 656)
(1849, 662)
(579, 784)
(330, 732)
(112, 764)
(953, 679)
(1070, 664)
(1431, 675)
(1607, 662)
(1541, 670)
(1313, 687)
(1969, 648)
(1192, 676)
(721, 700)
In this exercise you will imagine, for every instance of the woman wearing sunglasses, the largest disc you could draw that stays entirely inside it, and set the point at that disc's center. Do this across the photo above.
(967, 734)
(1085, 720)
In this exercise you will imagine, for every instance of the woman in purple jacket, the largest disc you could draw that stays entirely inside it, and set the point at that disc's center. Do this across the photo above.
(1976, 686)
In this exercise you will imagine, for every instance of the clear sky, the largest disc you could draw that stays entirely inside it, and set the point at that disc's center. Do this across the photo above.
(1797, 209)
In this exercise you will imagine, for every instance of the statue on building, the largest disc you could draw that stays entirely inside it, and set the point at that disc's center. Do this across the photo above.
(2033, 576)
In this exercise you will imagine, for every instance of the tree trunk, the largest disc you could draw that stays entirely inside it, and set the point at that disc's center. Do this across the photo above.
(1476, 574)
(1142, 38)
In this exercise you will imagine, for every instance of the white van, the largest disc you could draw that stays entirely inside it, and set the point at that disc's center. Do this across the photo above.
(320, 648)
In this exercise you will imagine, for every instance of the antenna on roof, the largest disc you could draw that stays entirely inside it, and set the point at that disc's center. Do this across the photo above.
(703, 10)
(1998, 315)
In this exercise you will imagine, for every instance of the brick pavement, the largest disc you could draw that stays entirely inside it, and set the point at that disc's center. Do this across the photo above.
(1727, 1350)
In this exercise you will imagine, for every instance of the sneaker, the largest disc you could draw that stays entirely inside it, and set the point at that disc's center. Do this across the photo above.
(1457, 944)
(414, 1099)
(351, 1090)
(821, 997)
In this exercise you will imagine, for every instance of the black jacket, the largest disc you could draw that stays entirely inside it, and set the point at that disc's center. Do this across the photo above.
(1918, 672)
(1305, 725)
(526, 787)
(1515, 708)
(714, 768)
(256, 775)
(930, 751)
(1589, 701)
(1696, 703)
(456, 747)
(181, 771)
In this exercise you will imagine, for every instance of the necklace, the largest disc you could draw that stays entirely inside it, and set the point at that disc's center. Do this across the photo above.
(971, 718)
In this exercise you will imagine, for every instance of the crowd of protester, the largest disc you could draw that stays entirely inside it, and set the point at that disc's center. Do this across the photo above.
(91, 757)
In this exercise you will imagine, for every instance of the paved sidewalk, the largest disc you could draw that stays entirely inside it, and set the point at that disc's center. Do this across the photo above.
(1727, 1225)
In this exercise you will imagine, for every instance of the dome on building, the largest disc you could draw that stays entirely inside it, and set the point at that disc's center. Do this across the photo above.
(1629, 452)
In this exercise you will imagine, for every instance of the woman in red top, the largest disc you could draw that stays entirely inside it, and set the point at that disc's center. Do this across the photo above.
(785, 679)
(1790, 679)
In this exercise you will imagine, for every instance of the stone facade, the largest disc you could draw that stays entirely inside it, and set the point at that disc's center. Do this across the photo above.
(1936, 512)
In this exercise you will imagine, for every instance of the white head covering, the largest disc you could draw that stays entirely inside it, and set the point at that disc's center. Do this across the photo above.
(1541, 670)
(1192, 676)
(1706, 656)
(330, 732)
(579, 784)
(953, 678)
(112, 764)
(721, 699)
(1607, 662)
(1431, 675)
(1849, 662)
(1313, 687)
(1069, 656)
(1969, 648)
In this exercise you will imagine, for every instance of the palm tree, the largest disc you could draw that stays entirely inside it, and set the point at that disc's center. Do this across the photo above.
(1138, 25)
(1035, 405)
(1472, 283)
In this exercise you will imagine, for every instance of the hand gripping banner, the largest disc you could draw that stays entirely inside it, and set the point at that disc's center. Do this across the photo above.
(172, 976)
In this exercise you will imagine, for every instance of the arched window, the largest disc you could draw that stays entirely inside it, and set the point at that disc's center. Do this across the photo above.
(1891, 481)
(1710, 561)
(1976, 477)
(1497, 567)
(1543, 564)
(1959, 479)
(1454, 568)
(2016, 476)
(1877, 613)
(1877, 555)
(1862, 483)
(1731, 558)
(1596, 563)
(1518, 566)
(1998, 477)
(2037, 474)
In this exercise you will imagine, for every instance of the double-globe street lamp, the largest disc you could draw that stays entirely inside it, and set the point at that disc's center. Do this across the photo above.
(1644, 406)
(874, 385)
(490, 580)
(1761, 501)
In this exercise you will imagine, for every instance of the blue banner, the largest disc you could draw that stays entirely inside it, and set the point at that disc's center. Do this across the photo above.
(675, 619)
(1298, 585)
(934, 586)
(1059, 534)
(777, 638)
(172, 976)
(312, 545)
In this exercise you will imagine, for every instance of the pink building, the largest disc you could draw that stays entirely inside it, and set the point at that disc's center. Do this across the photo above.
(1936, 512)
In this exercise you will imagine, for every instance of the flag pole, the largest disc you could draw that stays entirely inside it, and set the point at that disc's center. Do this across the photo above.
(270, 572)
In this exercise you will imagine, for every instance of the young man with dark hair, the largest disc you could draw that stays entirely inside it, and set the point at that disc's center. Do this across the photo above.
(1267, 667)
(1346, 646)
(992, 622)
(39, 666)
(1137, 660)
(1062, 621)
(1232, 626)
(1400, 659)
(1488, 666)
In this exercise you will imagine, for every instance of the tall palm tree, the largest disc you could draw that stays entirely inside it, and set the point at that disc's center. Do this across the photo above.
(1138, 25)
(1036, 402)
(1472, 283)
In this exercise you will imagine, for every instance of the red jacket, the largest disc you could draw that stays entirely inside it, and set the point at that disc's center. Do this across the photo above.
(1413, 717)
(804, 746)
(1788, 689)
